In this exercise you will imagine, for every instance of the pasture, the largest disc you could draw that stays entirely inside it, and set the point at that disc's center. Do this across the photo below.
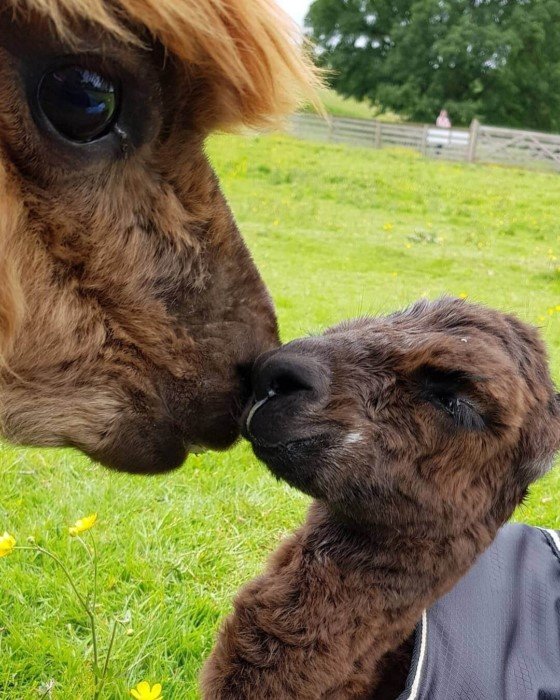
(336, 232)
(338, 106)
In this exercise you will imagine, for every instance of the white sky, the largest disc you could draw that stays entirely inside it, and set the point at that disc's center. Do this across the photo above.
(296, 8)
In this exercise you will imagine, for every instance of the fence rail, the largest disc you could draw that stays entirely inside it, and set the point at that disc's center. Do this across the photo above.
(480, 143)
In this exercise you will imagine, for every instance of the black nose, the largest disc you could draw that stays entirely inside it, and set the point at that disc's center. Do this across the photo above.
(290, 388)
(286, 374)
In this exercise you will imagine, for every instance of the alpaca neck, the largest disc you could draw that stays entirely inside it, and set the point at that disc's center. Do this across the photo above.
(391, 575)
(333, 602)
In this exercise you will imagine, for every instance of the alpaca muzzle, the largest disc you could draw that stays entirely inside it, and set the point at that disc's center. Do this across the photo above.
(289, 389)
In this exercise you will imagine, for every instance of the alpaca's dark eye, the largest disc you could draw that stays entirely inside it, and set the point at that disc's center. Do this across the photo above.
(463, 412)
(450, 403)
(80, 104)
(449, 391)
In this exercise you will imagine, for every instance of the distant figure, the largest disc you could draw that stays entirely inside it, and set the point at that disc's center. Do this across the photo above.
(443, 121)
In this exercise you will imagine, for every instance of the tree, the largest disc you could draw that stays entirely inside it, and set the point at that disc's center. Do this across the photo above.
(498, 60)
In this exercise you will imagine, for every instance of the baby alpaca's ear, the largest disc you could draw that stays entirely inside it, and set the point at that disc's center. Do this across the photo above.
(556, 420)
(555, 410)
(539, 442)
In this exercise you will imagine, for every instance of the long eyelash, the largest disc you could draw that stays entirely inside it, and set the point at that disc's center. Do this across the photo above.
(464, 414)
(449, 391)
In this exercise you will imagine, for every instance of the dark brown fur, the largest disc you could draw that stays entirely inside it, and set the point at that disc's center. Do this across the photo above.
(129, 304)
(407, 493)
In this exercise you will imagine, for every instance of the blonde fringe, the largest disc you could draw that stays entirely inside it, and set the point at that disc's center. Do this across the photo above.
(250, 50)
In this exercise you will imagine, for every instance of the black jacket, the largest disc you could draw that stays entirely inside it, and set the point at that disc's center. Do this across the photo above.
(496, 635)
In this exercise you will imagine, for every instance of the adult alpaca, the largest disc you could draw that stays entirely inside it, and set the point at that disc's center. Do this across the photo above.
(417, 435)
(126, 290)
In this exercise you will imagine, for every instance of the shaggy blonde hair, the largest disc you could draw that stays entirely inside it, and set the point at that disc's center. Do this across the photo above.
(249, 54)
(249, 50)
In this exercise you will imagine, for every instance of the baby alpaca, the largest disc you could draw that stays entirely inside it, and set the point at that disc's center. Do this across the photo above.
(417, 435)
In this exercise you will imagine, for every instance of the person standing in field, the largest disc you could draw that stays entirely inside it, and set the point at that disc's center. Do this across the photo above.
(443, 121)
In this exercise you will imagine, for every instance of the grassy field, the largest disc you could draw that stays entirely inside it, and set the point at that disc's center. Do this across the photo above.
(339, 106)
(336, 232)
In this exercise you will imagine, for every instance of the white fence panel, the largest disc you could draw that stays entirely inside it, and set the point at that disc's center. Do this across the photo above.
(480, 143)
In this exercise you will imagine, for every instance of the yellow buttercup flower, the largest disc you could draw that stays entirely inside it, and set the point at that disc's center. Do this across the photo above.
(7, 544)
(144, 691)
(83, 525)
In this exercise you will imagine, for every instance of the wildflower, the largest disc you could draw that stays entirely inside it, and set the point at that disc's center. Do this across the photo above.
(83, 525)
(7, 544)
(463, 295)
(144, 691)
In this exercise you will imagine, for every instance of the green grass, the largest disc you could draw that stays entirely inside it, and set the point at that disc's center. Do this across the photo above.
(336, 232)
(338, 106)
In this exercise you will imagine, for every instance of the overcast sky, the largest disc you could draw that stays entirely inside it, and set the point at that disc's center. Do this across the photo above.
(296, 8)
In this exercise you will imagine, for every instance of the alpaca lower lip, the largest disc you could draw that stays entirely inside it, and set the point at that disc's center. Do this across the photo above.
(297, 462)
(290, 451)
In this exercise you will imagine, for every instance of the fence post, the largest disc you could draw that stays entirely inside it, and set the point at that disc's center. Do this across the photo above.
(331, 128)
(473, 140)
(425, 140)
(377, 134)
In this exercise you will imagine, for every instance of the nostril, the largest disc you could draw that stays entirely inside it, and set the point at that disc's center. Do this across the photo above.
(287, 382)
(285, 374)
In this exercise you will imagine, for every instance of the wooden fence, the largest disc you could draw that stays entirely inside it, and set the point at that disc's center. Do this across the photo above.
(480, 143)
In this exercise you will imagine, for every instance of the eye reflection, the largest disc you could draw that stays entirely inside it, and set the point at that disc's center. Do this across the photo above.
(80, 104)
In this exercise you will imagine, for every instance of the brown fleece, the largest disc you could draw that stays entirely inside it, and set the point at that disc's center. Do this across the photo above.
(130, 307)
(408, 492)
